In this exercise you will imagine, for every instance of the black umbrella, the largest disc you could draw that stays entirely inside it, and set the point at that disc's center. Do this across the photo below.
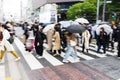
(75, 29)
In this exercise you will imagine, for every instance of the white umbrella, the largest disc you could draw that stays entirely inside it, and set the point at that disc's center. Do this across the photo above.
(48, 27)
(65, 24)
(94, 27)
(82, 20)
(106, 27)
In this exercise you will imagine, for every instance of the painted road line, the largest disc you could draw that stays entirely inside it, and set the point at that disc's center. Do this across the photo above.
(50, 58)
(92, 53)
(109, 53)
(84, 56)
(62, 55)
(13, 67)
(70, 59)
(2, 72)
(30, 59)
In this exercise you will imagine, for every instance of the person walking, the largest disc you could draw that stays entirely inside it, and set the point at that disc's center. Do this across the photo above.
(71, 44)
(49, 35)
(57, 44)
(7, 45)
(102, 40)
(39, 39)
(118, 40)
(85, 40)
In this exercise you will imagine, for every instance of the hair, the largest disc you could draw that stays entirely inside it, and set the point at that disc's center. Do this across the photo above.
(72, 36)
(0, 24)
(102, 28)
(1, 36)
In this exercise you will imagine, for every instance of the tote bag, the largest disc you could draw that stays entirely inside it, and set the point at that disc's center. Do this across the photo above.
(73, 43)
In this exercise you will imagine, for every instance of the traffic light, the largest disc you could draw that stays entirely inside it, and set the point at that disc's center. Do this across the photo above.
(113, 15)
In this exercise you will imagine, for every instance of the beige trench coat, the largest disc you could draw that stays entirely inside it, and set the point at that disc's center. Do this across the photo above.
(57, 44)
(49, 35)
(85, 39)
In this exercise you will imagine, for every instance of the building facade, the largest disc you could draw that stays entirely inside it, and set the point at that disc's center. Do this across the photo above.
(49, 11)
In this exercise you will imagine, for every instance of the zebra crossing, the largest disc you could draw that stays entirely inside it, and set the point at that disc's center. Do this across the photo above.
(35, 63)
(49, 60)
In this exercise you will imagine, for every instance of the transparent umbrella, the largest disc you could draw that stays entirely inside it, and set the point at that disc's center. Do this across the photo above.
(106, 27)
(82, 20)
(48, 27)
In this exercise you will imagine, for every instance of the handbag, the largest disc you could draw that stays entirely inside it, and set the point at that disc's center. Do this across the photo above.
(73, 43)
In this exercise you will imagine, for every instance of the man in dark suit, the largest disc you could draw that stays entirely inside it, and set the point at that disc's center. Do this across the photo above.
(118, 40)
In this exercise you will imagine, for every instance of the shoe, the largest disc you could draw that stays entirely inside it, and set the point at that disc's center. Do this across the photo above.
(77, 59)
(65, 61)
(39, 57)
(55, 55)
(104, 54)
(17, 59)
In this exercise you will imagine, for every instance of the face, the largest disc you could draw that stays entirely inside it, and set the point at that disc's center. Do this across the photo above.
(114, 27)
(40, 27)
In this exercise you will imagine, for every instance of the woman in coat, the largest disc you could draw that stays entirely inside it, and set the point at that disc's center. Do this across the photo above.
(102, 40)
(57, 45)
(39, 38)
(85, 40)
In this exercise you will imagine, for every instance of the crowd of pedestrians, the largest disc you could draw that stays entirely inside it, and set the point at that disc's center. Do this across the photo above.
(57, 40)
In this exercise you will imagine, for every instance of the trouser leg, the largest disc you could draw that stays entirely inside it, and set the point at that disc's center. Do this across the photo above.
(118, 49)
(2, 54)
(14, 54)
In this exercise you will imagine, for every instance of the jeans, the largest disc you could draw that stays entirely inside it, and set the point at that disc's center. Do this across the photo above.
(70, 52)
(104, 48)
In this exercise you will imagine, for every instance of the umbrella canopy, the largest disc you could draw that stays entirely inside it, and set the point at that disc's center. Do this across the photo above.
(82, 20)
(65, 24)
(75, 29)
(94, 27)
(106, 27)
(48, 27)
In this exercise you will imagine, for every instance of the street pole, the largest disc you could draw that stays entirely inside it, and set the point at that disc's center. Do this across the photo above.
(21, 9)
(97, 14)
(103, 15)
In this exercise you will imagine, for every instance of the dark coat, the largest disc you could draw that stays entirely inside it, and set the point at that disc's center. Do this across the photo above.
(39, 38)
(114, 36)
(118, 34)
(103, 40)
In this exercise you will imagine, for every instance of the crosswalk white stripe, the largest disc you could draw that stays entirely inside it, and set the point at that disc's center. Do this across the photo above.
(70, 59)
(62, 55)
(84, 56)
(2, 72)
(30, 59)
(112, 54)
(92, 52)
(51, 59)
